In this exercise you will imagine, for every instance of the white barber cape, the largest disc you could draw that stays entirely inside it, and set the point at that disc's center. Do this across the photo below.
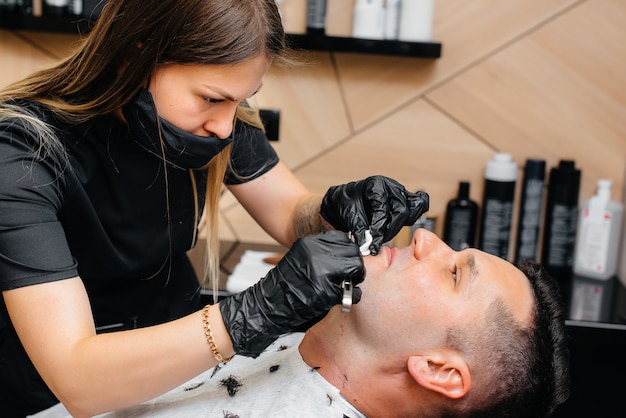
(278, 383)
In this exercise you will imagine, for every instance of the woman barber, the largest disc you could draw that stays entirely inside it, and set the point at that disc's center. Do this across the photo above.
(106, 163)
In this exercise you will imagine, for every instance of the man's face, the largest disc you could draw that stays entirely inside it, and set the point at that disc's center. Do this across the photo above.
(427, 287)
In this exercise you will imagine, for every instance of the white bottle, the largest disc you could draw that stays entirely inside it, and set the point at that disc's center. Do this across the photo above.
(622, 265)
(598, 234)
(392, 19)
(368, 19)
(416, 20)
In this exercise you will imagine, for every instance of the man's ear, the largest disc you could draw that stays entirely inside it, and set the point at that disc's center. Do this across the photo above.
(444, 371)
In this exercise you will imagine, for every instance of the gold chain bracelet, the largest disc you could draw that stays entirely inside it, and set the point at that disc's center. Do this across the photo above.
(209, 336)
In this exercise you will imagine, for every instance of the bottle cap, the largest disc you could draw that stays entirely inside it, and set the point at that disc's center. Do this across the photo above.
(566, 172)
(535, 169)
(604, 189)
(564, 184)
(501, 168)
(599, 202)
(464, 188)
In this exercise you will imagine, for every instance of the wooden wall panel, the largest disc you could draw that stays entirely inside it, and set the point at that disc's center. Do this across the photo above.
(313, 115)
(19, 57)
(541, 97)
(57, 45)
(418, 146)
(468, 31)
(508, 44)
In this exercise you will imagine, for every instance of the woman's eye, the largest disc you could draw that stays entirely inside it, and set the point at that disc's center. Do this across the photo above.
(454, 276)
(211, 100)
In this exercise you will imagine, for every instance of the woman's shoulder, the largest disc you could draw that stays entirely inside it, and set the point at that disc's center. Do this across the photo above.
(26, 119)
(21, 109)
(28, 141)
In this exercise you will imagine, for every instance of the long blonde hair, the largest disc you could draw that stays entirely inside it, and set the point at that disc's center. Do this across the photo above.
(127, 43)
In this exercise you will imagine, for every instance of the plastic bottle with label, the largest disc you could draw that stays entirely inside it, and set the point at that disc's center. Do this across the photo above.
(459, 230)
(621, 273)
(598, 234)
(56, 7)
(497, 208)
(559, 233)
(368, 19)
(416, 20)
(392, 19)
(316, 17)
(530, 210)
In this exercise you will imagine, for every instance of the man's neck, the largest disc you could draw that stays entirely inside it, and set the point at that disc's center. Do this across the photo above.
(328, 347)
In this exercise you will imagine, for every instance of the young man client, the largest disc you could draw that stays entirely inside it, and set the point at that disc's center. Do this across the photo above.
(437, 333)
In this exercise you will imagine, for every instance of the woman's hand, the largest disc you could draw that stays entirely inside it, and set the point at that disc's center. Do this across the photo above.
(378, 204)
(302, 287)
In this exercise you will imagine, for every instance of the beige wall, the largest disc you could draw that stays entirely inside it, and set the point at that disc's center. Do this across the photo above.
(535, 78)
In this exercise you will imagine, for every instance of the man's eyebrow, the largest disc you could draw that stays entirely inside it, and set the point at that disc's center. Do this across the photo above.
(473, 272)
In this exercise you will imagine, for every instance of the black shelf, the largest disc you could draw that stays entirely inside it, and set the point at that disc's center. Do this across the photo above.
(313, 41)
(320, 42)
(59, 24)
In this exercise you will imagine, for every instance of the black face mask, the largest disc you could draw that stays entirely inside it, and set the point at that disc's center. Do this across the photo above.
(182, 149)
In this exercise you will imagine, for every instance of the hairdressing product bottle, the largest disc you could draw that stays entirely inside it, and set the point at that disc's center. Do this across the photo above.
(622, 265)
(8, 6)
(591, 299)
(559, 233)
(392, 19)
(36, 8)
(56, 7)
(598, 233)
(316, 17)
(530, 210)
(459, 229)
(368, 19)
(76, 7)
(416, 20)
(497, 210)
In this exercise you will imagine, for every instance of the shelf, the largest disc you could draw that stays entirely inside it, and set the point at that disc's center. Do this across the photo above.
(309, 41)
(315, 42)
(62, 24)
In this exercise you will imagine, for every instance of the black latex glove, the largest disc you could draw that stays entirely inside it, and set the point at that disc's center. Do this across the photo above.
(377, 203)
(302, 287)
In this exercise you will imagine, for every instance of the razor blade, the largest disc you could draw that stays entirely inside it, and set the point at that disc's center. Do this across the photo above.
(346, 301)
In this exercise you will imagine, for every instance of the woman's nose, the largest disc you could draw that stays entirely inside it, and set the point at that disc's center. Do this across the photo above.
(222, 122)
(426, 242)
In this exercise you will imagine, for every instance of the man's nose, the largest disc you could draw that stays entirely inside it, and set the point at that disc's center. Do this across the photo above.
(426, 242)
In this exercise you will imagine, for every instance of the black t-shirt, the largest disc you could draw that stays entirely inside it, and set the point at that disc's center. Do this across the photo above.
(108, 217)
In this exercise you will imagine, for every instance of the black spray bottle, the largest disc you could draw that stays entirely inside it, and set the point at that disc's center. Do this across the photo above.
(459, 229)
(530, 210)
(559, 233)
(497, 210)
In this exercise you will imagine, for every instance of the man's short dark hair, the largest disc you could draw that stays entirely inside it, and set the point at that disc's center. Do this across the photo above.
(530, 373)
